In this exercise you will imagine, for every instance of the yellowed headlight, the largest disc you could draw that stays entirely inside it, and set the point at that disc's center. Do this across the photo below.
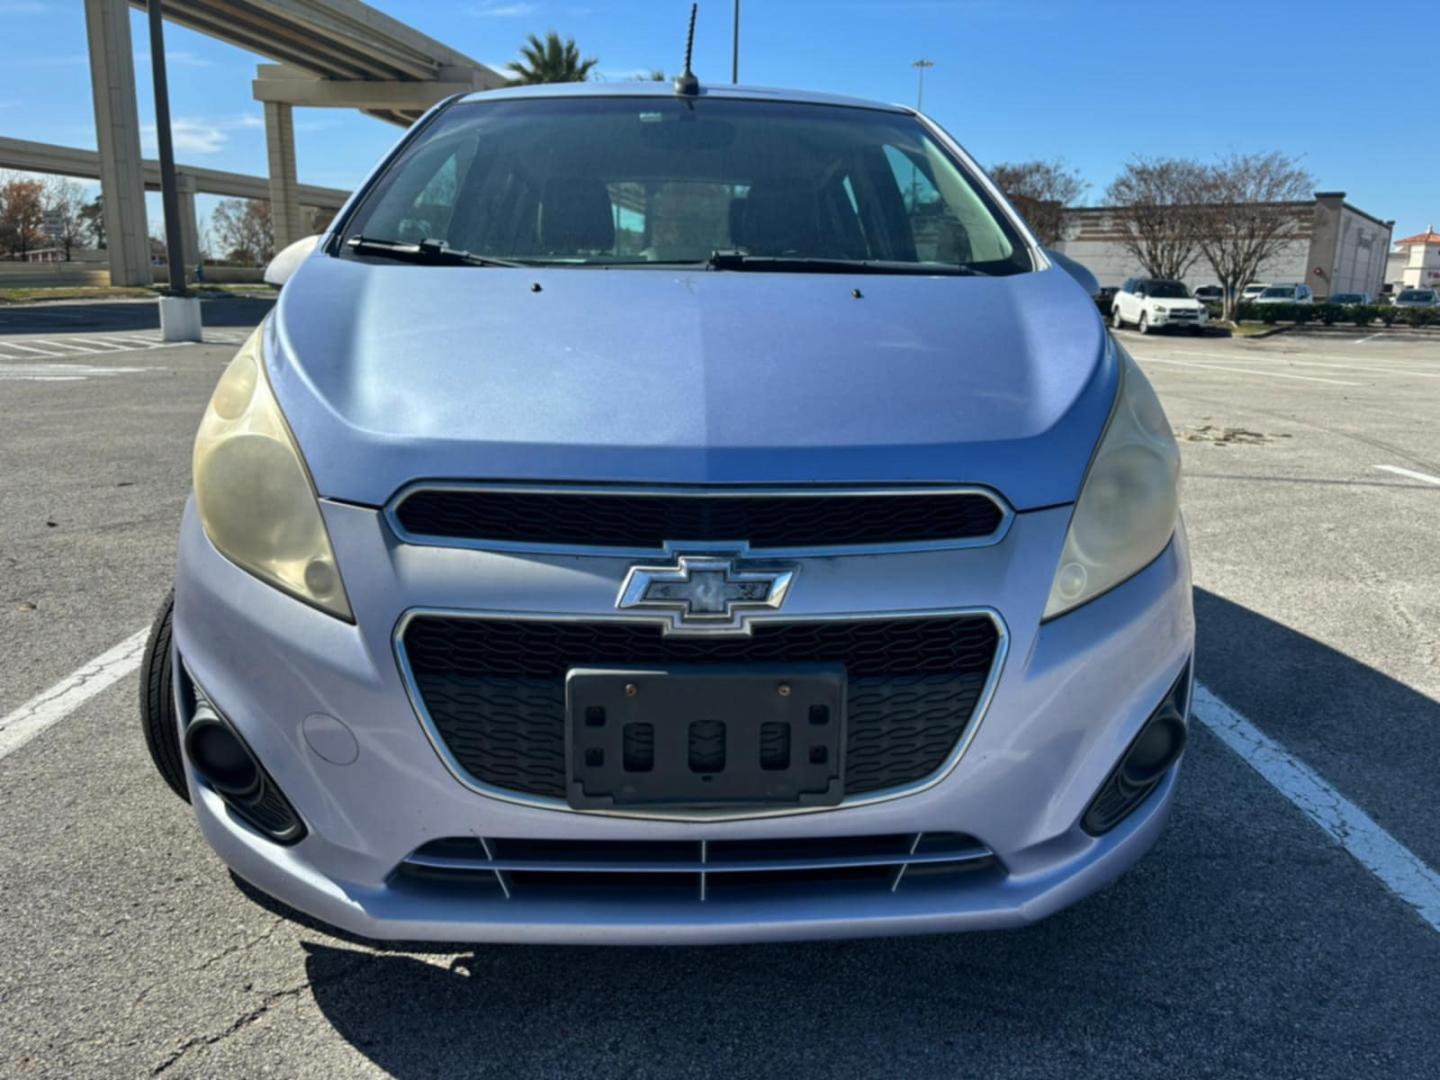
(1130, 501)
(254, 494)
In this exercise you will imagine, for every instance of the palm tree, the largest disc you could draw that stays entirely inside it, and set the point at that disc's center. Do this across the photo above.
(550, 61)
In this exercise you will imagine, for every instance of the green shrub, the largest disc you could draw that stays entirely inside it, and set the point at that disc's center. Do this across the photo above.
(1270, 313)
(1302, 313)
(1362, 314)
(1388, 313)
(1329, 314)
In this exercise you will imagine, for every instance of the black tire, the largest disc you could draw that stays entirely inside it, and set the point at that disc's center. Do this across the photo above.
(1116, 320)
(157, 703)
(1144, 324)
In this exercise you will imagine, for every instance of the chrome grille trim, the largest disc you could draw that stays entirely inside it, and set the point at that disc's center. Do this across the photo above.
(451, 763)
(740, 545)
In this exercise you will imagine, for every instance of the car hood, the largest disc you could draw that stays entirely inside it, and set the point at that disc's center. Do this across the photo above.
(393, 373)
(1178, 303)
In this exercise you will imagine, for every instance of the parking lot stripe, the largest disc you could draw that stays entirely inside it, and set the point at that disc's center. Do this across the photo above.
(1246, 371)
(1396, 866)
(1411, 473)
(59, 701)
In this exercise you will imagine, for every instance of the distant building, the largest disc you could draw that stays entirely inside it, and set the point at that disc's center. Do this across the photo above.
(1336, 248)
(1416, 263)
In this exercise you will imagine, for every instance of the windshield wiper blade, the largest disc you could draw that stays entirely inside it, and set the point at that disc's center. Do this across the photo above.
(739, 260)
(426, 252)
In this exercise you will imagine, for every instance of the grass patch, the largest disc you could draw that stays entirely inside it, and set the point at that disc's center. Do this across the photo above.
(75, 292)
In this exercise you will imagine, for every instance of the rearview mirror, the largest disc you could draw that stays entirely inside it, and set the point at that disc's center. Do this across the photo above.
(1088, 281)
(288, 260)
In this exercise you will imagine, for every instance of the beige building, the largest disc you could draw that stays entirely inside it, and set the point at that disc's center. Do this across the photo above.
(1416, 262)
(1336, 248)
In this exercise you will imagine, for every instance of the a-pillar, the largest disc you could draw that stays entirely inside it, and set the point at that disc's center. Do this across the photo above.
(117, 130)
(285, 217)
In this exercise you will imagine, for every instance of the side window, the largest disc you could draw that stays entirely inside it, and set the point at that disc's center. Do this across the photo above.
(939, 236)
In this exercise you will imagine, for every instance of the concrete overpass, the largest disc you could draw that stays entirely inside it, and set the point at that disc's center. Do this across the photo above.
(330, 53)
(192, 180)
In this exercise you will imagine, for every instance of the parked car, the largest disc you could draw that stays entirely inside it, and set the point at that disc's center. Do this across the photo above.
(1349, 299)
(1156, 304)
(1286, 294)
(1422, 298)
(701, 578)
(1252, 292)
(1210, 294)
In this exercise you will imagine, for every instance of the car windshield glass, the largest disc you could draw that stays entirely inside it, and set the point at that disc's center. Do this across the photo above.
(1417, 294)
(1167, 290)
(630, 181)
(1278, 293)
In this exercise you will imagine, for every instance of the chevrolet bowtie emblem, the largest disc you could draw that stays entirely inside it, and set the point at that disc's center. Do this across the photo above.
(706, 592)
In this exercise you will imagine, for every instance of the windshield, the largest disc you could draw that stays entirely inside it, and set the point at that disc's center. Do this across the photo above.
(1167, 290)
(1279, 293)
(1417, 294)
(627, 181)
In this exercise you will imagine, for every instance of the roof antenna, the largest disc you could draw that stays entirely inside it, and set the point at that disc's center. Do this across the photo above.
(686, 83)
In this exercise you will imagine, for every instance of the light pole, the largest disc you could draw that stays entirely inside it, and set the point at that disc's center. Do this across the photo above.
(735, 47)
(920, 91)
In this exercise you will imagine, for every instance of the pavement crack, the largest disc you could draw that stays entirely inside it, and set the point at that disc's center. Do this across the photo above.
(242, 946)
(268, 1002)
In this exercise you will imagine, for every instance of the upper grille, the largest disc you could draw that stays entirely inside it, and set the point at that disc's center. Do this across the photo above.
(494, 689)
(616, 518)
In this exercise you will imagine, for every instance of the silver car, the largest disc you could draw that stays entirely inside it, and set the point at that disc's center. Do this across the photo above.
(653, 515)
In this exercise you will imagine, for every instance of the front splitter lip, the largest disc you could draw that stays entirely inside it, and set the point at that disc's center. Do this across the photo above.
(460, 773)
(386, 915)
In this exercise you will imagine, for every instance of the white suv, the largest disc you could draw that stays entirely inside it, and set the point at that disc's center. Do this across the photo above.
(1152, 303)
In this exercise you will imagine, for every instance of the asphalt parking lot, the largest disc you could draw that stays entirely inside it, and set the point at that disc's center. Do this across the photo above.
(1287, 924)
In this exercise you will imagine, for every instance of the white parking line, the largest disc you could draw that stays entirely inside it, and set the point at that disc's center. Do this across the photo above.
(1411, 473)
(53, 705)
(1397, 867)
(1246, 371)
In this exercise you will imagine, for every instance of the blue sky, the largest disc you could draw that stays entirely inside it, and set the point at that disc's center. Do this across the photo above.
(1336, 85)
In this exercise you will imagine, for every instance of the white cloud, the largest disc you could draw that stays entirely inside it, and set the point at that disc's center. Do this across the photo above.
(187, 136)
(503, 9)
(176, 58)
(197, 135)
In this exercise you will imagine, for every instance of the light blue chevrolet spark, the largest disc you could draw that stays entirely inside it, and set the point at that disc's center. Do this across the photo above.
(677, 515)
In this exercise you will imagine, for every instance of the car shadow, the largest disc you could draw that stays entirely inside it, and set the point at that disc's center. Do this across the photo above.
(102, 318)
(1246, 943)
(1370, 736)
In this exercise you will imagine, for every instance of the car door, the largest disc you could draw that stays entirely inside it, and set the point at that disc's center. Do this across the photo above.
(1132, 302)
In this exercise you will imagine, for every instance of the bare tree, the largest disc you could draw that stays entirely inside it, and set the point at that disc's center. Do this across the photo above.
(1153, 200)
(1242, 220)
(242, 231)
(1040, 190)
(63, 201)
(92, 217)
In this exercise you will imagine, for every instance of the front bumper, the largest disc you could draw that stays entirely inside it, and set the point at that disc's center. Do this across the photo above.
(1068, 700)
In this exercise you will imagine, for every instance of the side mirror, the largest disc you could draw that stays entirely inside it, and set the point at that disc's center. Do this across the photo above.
(286, 262)
(1088, 281)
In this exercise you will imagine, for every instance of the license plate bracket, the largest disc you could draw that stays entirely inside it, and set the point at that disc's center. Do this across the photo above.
(705, 736)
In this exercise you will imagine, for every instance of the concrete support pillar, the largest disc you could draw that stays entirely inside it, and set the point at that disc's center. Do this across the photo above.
(285, 216)
(189, 221)
(117, 130)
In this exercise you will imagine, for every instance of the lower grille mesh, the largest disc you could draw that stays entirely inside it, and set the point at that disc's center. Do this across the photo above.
(494, 689)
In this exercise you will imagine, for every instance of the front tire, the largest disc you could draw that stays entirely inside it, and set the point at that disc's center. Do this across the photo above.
(157, 702)
(1144, 324)
(1116, 321)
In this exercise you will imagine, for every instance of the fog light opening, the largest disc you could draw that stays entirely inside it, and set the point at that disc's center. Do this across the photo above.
(1142, 767)
(220, 757)
(1157, 748)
